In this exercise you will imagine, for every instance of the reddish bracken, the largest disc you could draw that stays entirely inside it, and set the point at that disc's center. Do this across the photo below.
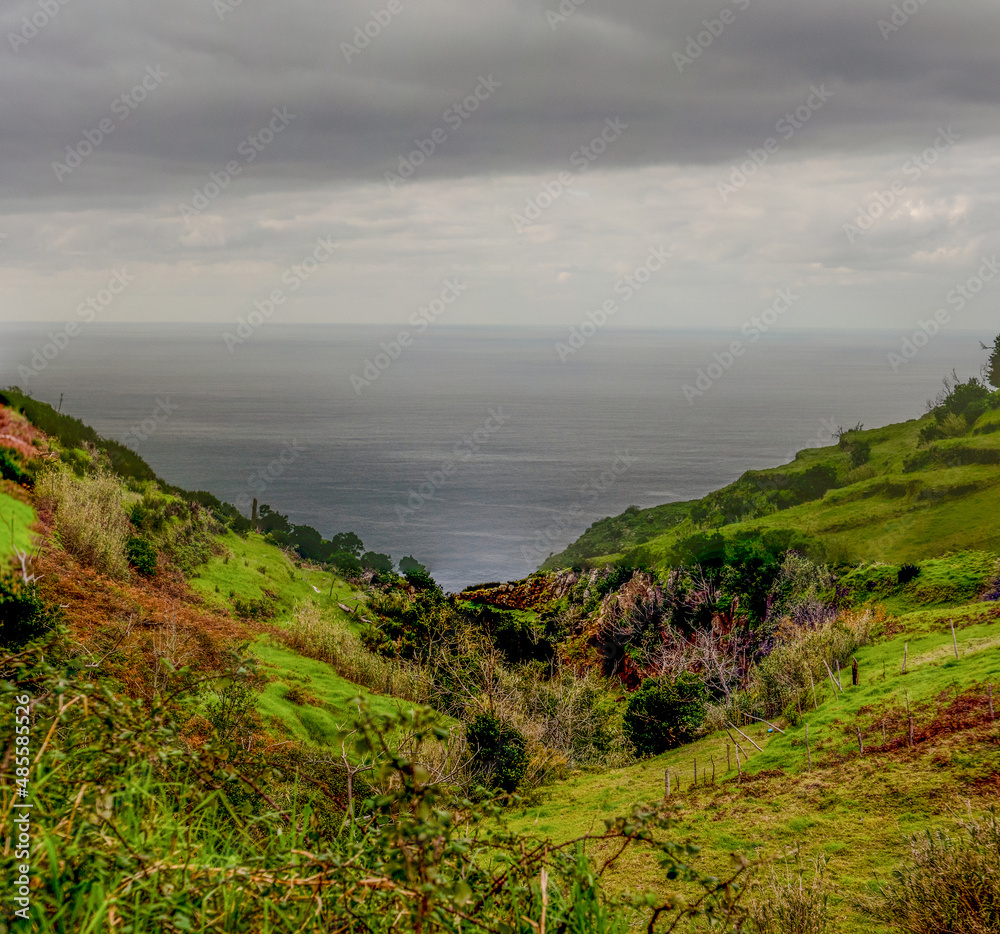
(17, 433)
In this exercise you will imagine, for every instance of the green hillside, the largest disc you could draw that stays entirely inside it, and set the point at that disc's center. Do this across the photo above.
(908, 491)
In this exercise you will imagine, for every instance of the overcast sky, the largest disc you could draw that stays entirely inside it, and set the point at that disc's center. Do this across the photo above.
(206, 147)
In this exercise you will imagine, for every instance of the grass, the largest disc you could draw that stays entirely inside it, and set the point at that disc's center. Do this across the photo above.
(322, 701)
(329, 697)
(856, 810)
(894, 514)
(16, 519)
(253, 569)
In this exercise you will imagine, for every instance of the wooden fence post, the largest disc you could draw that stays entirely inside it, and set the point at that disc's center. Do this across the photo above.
(954, 641)
(906, 645)
(666, 781)
(861, 745)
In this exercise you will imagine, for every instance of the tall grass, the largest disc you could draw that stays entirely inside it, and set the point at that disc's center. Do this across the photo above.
(791, 902)
(88, 517)
(950, 883)
(801, 660)
(311, 634)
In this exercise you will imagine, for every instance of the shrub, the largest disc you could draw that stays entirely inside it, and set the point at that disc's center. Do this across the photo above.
(314, 636)
(89, 518)
(791, 904)
(951, 882)
(663, 714)
(500, 751)
(23, 615)
(11, 468)
(798, 663)
(141, 555)
(249, 608)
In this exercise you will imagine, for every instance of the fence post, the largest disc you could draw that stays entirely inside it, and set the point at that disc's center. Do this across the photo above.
(954, 641)
(906, 645)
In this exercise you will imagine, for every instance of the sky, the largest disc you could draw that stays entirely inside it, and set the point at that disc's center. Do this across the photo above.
(692, 163)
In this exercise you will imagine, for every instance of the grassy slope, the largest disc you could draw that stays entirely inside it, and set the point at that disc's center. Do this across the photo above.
(892, 516)
(856, 810)
(330, 695)
(330, 698)
(16, 519)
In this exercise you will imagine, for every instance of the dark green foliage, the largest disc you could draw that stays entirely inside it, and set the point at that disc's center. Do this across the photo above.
(73, 433)
(758, 494)
(346, 563)
(141, 555)
(993, 365)
(248, 608)
(857, 448)
(375, 561)
(11, 468)
(663, 714)
(510, 632)
(347, 542)
(957, 407)
(499, 750)
(24, 616)
(421, 580)
(270, 521)
(409, 564)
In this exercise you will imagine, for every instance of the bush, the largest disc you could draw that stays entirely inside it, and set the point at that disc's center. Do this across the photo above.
(249, 608)
(952, 883)
(141, 555)
(312, 635)
(500, 751)
(23, 615)
(790, 904)
(663, 714)
(11, 468)
(89, 518)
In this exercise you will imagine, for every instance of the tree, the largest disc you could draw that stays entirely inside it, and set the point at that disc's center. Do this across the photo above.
(992, 371)
(664, 713)
(500, 751)
(347, 542)
(410, 564)
(376, 561)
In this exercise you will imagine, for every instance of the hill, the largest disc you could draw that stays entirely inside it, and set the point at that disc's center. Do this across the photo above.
(246, 728)
(895, 494)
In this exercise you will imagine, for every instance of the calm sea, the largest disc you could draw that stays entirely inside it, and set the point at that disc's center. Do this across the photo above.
(478, 451)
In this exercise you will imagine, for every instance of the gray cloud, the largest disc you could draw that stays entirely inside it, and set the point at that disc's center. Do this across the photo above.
(324, 173)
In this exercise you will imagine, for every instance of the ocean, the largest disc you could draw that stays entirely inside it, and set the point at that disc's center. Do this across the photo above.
(478, 451)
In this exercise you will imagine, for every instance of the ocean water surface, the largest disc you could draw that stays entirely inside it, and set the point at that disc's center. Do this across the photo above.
(478, 451)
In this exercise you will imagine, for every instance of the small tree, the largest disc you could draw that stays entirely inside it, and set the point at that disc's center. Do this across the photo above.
(665, 713)
(992, 370)
(500, 751)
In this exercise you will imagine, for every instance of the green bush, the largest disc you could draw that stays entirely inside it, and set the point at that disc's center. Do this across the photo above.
(23, 614)
(951, 883)
(141, 555)
(665, 713)
(11, 468)
(500, 751)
